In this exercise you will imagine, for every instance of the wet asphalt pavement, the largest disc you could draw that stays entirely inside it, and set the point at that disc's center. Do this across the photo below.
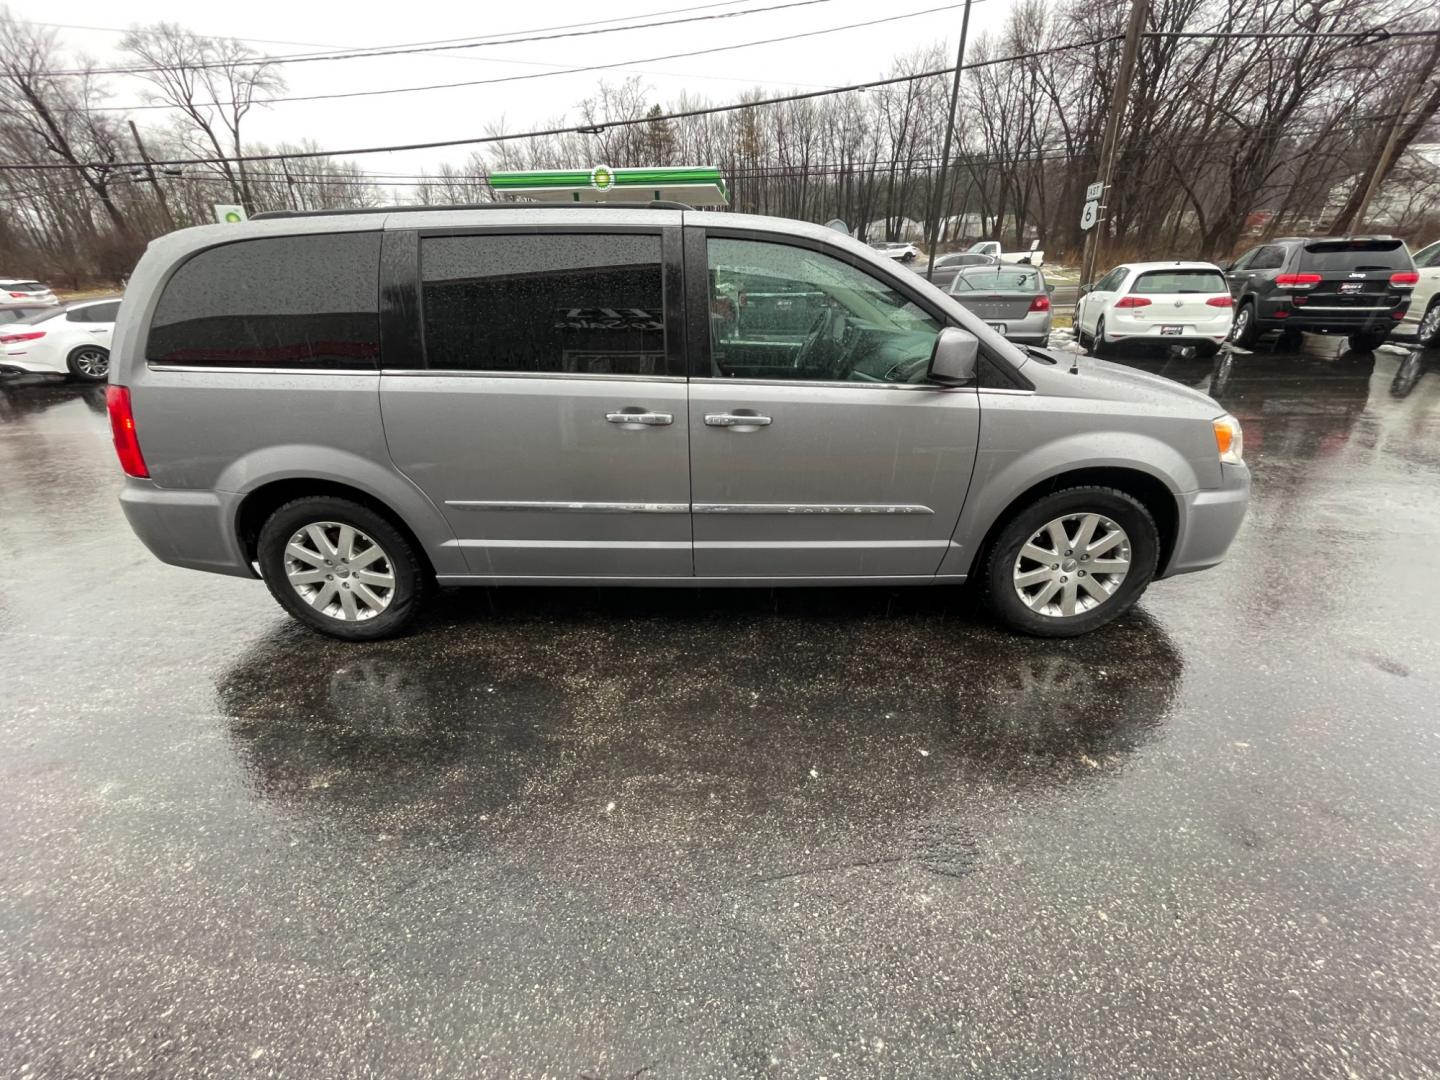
(731, 834)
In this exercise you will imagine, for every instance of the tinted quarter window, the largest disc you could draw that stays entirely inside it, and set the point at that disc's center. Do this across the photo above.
(94, 313)
(1268, 258)
(582, 303)
(284, 301)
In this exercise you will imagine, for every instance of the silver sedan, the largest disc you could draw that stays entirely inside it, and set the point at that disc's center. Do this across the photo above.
(1014, 300)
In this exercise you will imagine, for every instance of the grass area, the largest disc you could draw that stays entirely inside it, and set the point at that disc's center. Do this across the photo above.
(67, 295)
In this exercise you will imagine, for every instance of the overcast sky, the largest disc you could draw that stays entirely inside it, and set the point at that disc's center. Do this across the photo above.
(274, 28)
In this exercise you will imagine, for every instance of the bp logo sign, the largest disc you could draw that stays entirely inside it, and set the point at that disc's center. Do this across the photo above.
(601, 178)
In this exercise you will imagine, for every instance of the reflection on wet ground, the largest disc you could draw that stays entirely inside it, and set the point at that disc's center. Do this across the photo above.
(751, 833)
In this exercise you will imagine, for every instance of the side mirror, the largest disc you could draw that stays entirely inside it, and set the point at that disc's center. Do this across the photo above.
(955, 358)
(1085, 289)
(1050, 288)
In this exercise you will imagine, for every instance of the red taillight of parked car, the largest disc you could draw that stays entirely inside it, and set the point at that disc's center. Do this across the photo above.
(1220, 301)
(1405, 279)
(1040, 303)
(19, 295)
(15, 339)
(122, 426)
(1132, 302)
(1297, 281)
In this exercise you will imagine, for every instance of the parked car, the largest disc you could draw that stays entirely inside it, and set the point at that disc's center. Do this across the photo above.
(73, 340)
(1155, 303)
(575, 395)
(1422, 318)
(1013, 300)
(901, 251)
(1358, 286)
(947, 266)
(1031, 257)
(22, 292)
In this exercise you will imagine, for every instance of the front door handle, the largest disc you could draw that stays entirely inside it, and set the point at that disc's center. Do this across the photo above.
(735, 420)
(649, 419)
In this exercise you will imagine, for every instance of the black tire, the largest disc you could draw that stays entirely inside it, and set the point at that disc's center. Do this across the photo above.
(1245, 333)
(1098, 345)
(411, 575)
(89, 363)
(998, 567)
(1368, 342)
(1428, 332)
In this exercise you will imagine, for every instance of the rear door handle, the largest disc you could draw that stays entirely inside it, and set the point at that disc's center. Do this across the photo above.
(735, 420)
(649, 419)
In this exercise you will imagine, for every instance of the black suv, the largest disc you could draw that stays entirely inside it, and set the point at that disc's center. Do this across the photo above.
(1354, 285)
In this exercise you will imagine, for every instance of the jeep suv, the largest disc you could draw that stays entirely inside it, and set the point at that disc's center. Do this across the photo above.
(1358, 286)
(356, 406)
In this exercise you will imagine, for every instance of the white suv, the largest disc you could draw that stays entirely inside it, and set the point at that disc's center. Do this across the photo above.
(1156, 303)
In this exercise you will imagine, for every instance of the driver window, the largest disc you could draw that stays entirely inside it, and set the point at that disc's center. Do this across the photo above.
(784, 312)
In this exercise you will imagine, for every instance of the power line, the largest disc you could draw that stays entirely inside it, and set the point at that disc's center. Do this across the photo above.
(437, 41)
(261, 61)
(581, 129)
(566, 71)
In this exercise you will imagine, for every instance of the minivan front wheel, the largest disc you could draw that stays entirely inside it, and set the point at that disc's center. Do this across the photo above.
(340, 568)
(1071, 561)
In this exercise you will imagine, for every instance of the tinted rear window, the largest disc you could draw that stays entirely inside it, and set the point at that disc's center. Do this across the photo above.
(999, 279)
(1326, 255)
(585, 303)
(1165, 282)
(25, 286)
(284, 301)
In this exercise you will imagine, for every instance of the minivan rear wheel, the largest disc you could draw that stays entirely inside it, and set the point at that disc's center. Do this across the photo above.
(1071, 561)
(341, 568)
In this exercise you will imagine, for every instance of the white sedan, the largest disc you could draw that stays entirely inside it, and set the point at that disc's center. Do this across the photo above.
(1156, 303)
(73, 340)
(1423, 316)
(23, 292)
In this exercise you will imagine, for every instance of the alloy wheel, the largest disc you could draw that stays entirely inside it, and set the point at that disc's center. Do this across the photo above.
(1429, 329)
(1072, 565)
(92, 363)
(340, 571)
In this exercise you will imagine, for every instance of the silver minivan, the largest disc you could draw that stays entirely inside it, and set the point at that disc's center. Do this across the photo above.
(356, 406)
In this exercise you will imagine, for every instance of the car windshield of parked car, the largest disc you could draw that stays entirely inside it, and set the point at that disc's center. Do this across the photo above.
(998, 279)
(1171, 282)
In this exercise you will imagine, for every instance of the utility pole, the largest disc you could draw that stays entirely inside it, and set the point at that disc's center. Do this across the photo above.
(290, 183)
(937, 195)
(150, 172)
(1139, 9)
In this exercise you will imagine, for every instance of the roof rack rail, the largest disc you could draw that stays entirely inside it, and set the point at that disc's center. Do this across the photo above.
(266, 215)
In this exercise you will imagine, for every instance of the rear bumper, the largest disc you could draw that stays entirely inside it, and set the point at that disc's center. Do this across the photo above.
(1209, 521)
(21, 363)
(1148, 330)
(192, 529)
(1319, 318)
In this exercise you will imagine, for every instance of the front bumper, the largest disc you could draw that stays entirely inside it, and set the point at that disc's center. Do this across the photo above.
(193, 529)
(1209, 521)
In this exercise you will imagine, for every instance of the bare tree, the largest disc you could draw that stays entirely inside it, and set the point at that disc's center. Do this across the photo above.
(214, 83)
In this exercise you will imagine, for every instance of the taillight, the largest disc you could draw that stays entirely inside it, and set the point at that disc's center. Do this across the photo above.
(1406, 279)
(1297, 281)
(1132, 302)
(1220, 301)
(15, 339)
(1040, 303)
(18, 295)
(122, 426)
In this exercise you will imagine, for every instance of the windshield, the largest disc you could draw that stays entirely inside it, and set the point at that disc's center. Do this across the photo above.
(999, 279)
(1173, 282)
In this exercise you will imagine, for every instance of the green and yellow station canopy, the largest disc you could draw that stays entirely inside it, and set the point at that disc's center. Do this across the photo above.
(698, 185)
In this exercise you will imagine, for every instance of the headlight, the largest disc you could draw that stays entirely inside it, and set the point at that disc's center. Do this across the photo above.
(1229, 440)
